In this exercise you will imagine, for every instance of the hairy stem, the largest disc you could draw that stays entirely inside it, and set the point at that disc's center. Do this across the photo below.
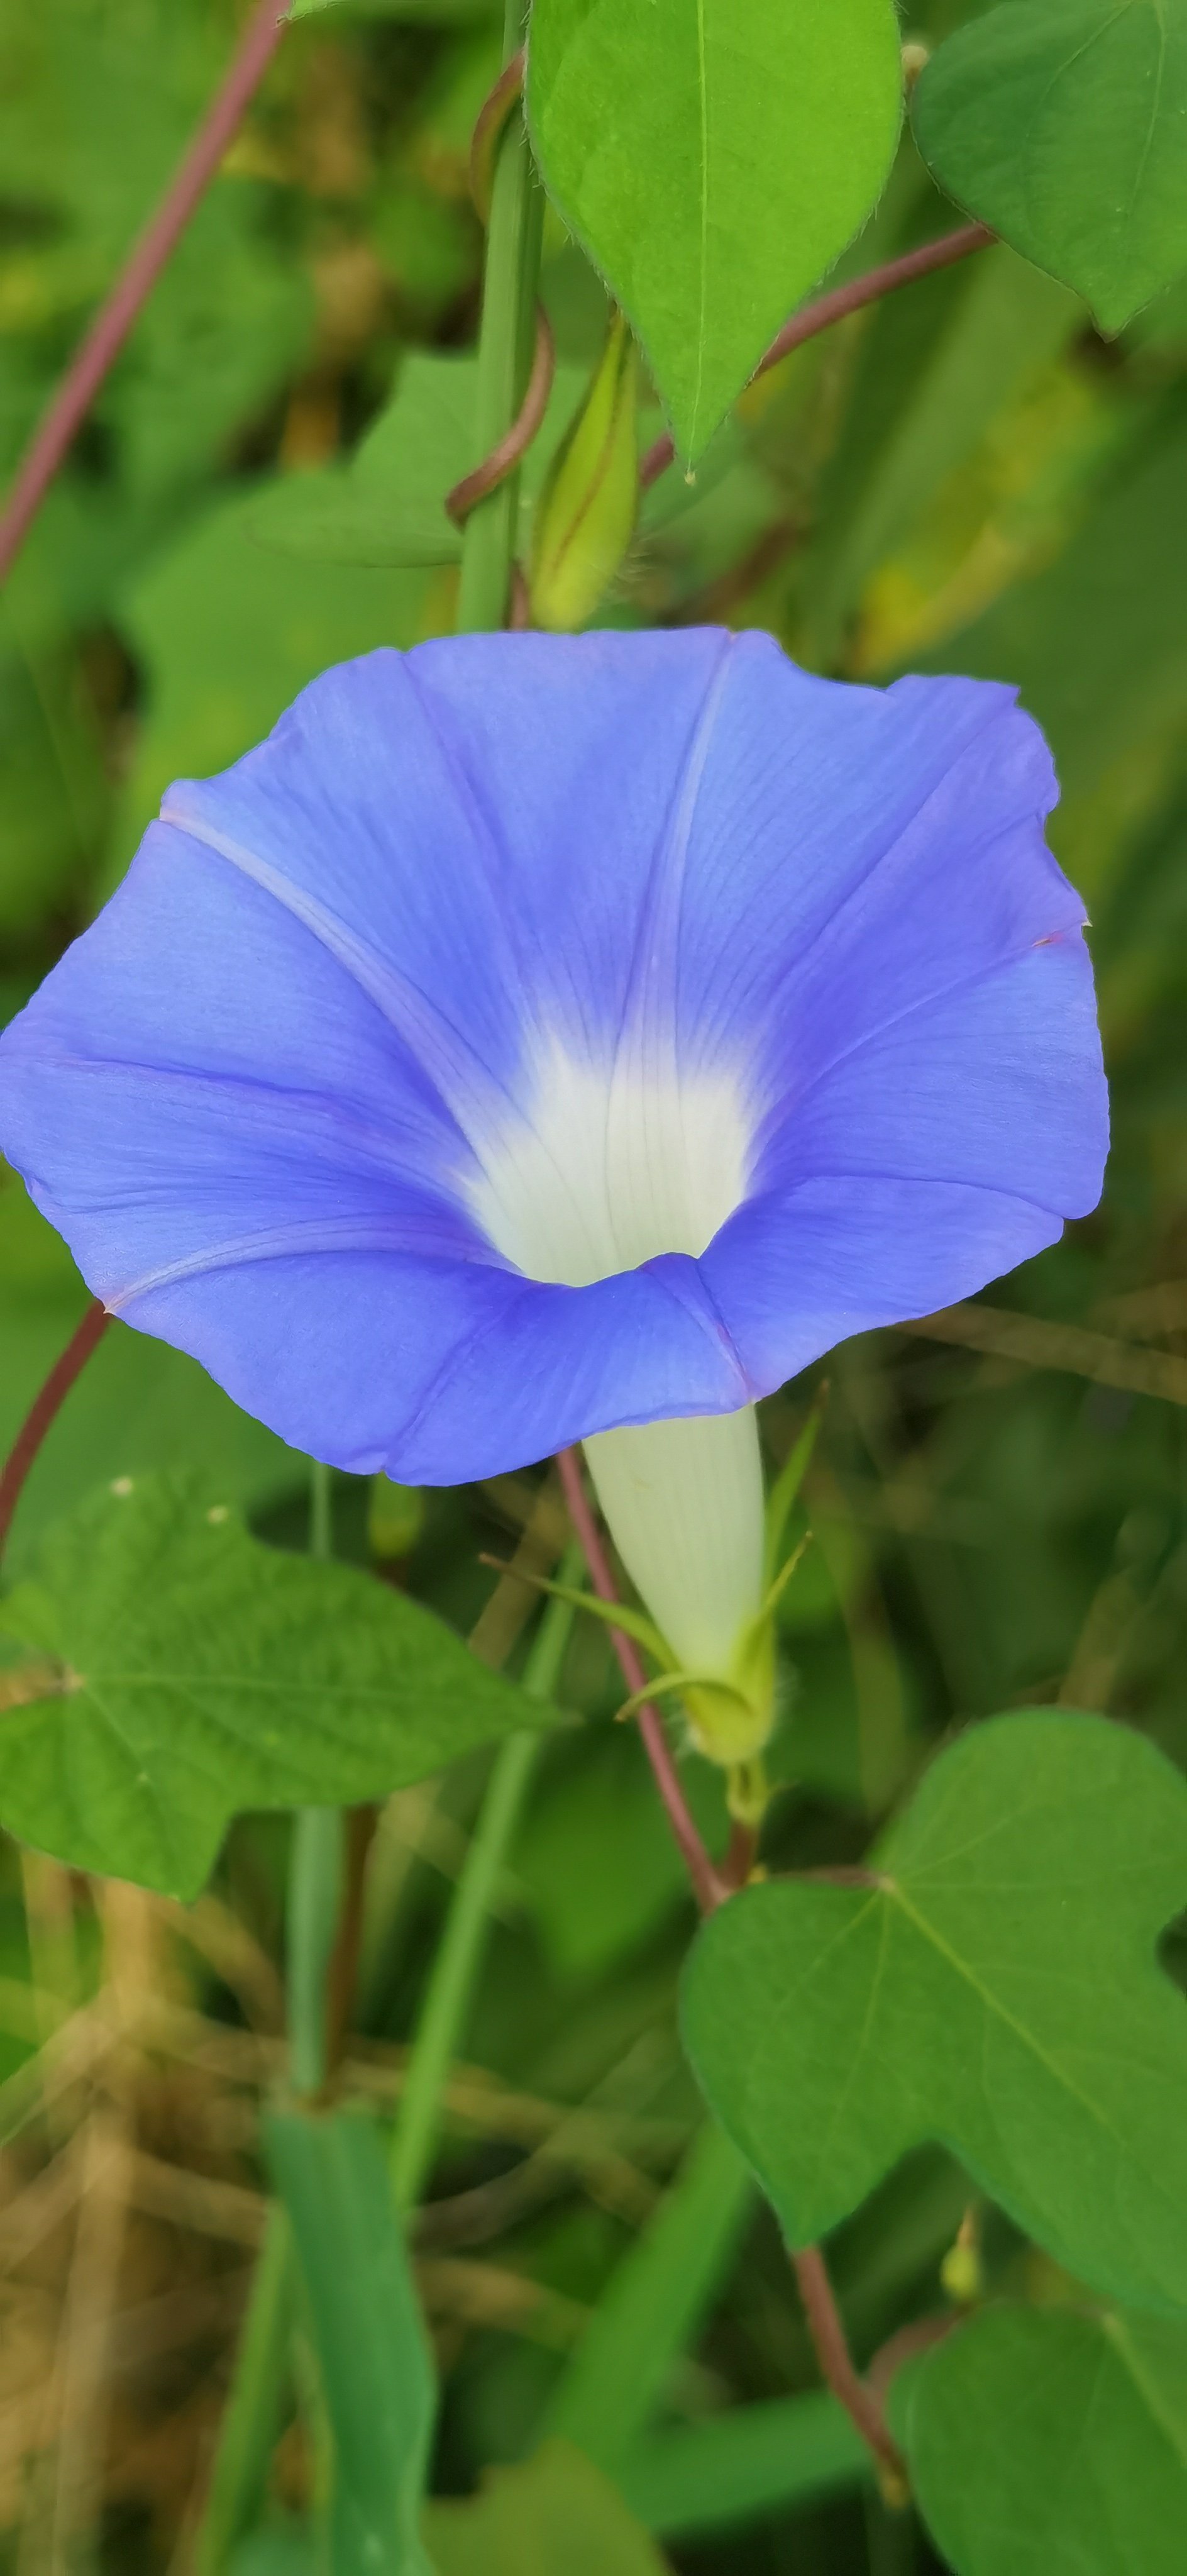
(505, 346)
(110, 328)
(459, 1954)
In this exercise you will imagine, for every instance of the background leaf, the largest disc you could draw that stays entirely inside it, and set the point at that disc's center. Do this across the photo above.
(1063, 124)
(589, 1917)
(410, 13)
(227, 632)
(556, 2516)
(388, 505)
(993, 1985)
(1000, 323)
(620, 2373)
(138, 1404)
(373, 2362)
(1094, 641)
(714, 157)
(741, 2465)
(187, 1672)
(1051, 2443)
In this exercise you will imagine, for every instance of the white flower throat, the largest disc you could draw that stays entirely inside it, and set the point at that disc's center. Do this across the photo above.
(608, 1165)
(604, 1168)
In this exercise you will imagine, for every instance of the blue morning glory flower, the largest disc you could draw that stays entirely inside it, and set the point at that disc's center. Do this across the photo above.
(541, 1034)
(555, 1038)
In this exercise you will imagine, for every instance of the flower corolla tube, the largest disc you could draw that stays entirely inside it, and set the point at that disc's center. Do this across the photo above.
(553, 1038)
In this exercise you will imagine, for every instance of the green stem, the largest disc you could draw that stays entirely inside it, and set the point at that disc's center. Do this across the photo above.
(251, 2422)
(459, 1956)
(316, 1870)
(321, 1511)
(315, 1895)
(504, 355)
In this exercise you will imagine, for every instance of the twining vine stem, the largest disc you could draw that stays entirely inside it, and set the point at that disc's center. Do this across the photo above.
(712, 1888)
(492, 117)
(504, 456)
(109, 330)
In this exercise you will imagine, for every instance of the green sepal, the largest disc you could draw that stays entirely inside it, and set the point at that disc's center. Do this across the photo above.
(783, 1578)
(614, 1614)
(669, 1685)
(748, 1790)
(784, 1492)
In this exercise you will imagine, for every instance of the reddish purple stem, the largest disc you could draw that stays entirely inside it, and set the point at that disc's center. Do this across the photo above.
(839, 2371)
(709, 1890)
(43, 1409)
(115, 318)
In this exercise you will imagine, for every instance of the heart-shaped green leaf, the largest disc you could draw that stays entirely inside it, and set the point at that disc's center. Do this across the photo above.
(992, 1985)
(1063, 124)
(714, 157)
(1052, 2443)
(170, 1671)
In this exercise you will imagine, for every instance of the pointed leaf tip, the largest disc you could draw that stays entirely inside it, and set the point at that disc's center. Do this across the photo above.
(714, 157)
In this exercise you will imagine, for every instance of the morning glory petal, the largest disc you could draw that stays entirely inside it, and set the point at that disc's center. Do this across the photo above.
(969, 1088)
(446, 1370)
(795, 1273)
(538, 1034)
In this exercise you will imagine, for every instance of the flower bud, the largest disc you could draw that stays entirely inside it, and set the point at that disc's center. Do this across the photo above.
(961, 2271)
(585, 516)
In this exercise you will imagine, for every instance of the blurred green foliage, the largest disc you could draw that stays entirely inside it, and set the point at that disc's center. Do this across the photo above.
(967, 477)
